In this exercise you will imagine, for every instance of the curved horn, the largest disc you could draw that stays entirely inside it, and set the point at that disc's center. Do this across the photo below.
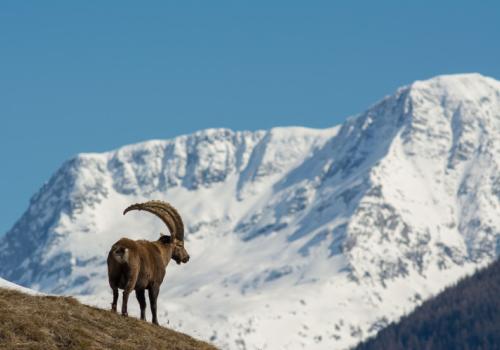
(169, 215)
(166, 213)
(173, 213)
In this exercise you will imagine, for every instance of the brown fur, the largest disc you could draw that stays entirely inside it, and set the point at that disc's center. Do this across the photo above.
(144, 269)
(140, 265)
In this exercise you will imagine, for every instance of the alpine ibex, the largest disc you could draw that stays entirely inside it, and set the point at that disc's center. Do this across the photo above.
(141, 264)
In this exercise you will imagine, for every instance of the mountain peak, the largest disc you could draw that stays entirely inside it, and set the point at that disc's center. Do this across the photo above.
(471, 86)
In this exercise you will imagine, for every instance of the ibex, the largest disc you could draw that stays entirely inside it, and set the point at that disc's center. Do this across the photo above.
(140, 265)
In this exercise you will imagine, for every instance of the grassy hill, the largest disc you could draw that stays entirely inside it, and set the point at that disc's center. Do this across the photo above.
(48, 322)
(465, 316)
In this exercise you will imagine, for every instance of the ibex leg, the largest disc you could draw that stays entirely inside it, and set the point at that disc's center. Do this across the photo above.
(127, 290)
(141, 298)
(153, 296)
(115, 299)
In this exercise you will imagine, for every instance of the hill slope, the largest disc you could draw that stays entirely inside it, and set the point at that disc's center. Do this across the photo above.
(49, 322)
(465, 316)
(299, 238)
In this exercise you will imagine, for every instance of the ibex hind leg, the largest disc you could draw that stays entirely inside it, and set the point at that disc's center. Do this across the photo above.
(128, 289)
(114, 276)
(141, 298)
(115, 299)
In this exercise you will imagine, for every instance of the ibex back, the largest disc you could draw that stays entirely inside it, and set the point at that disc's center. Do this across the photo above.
(140, 265)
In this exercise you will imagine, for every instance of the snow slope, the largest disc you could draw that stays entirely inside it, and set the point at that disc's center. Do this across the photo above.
(10, 285)
(299, 238)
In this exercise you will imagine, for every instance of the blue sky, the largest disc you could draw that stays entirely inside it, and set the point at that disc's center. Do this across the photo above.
(91, 76)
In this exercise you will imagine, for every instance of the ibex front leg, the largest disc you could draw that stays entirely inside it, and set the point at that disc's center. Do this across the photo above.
(153, 296)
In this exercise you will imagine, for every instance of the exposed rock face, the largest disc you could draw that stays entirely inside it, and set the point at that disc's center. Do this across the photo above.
(298, 237)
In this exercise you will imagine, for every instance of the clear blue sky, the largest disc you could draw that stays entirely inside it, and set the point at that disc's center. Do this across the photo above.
(89, 76)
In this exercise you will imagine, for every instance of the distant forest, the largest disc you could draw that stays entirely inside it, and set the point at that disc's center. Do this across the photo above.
(465, 316)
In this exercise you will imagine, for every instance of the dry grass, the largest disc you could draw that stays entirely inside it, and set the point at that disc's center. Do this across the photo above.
(46, 322)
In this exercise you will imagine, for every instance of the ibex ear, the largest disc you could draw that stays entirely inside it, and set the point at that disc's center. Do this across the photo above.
(165, 239)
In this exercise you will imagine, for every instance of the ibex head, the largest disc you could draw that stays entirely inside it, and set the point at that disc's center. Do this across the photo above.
(169, 215)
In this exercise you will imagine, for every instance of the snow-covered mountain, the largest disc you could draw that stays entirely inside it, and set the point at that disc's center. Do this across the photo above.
(298, 238)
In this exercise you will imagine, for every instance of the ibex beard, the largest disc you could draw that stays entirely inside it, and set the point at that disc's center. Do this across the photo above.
(140, 265)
